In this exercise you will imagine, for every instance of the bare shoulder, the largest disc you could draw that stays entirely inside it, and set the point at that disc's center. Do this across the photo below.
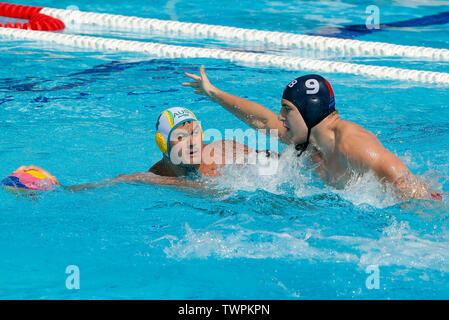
(350, 135)
(227, 151)
(358, 144)
(227, 144)
(351, 128)
(221, 143)
(216, 143)
(363, 150)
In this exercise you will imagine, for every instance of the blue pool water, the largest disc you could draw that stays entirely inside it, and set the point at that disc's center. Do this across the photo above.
(87, 116)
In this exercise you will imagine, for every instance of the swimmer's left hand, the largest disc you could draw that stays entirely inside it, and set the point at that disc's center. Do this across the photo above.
(38, 169)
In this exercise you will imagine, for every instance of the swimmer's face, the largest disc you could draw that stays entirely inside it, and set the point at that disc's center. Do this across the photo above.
(186, 144)
(296, 128)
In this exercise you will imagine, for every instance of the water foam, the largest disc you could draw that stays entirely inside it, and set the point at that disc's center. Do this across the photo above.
(293, 176)
(233, 242)
(398, 246)
(401, 246)
(381, 238)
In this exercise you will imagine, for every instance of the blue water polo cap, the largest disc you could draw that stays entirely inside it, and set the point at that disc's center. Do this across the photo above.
(314, 98)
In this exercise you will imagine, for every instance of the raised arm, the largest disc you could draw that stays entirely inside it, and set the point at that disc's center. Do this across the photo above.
(252, 113)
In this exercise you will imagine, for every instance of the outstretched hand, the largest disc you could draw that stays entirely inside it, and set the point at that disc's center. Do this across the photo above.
(38, 169)
(201, 83)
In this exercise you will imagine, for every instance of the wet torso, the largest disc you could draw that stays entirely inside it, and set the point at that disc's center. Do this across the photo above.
(338, 166)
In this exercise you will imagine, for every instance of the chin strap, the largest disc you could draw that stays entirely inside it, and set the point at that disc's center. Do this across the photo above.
(303, 146)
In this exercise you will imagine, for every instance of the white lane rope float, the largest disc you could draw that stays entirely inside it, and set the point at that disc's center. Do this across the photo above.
(269, 60)
(283, 39)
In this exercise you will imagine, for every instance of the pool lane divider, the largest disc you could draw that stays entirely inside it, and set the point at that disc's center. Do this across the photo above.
(247, 58)
(356, 30)
(37, 20)
(281, 39)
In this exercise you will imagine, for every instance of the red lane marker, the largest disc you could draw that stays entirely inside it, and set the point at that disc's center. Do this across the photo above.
(37, 20)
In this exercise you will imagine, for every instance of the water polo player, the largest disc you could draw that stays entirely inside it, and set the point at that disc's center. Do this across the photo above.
(186, 154)
(308, 119)
(185, 158)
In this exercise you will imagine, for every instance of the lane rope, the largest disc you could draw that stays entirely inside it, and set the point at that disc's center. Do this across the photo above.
(269, 60)
(282, 39)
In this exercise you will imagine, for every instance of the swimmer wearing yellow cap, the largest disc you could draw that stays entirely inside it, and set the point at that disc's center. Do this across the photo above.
(179, 136)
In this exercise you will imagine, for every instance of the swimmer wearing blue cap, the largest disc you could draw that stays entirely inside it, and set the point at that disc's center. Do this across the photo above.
(185, 158)
(308, 120)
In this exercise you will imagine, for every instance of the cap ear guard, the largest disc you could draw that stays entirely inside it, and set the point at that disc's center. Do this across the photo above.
(161, 143)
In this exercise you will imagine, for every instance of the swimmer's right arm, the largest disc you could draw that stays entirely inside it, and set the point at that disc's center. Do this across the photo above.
(253, 114)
